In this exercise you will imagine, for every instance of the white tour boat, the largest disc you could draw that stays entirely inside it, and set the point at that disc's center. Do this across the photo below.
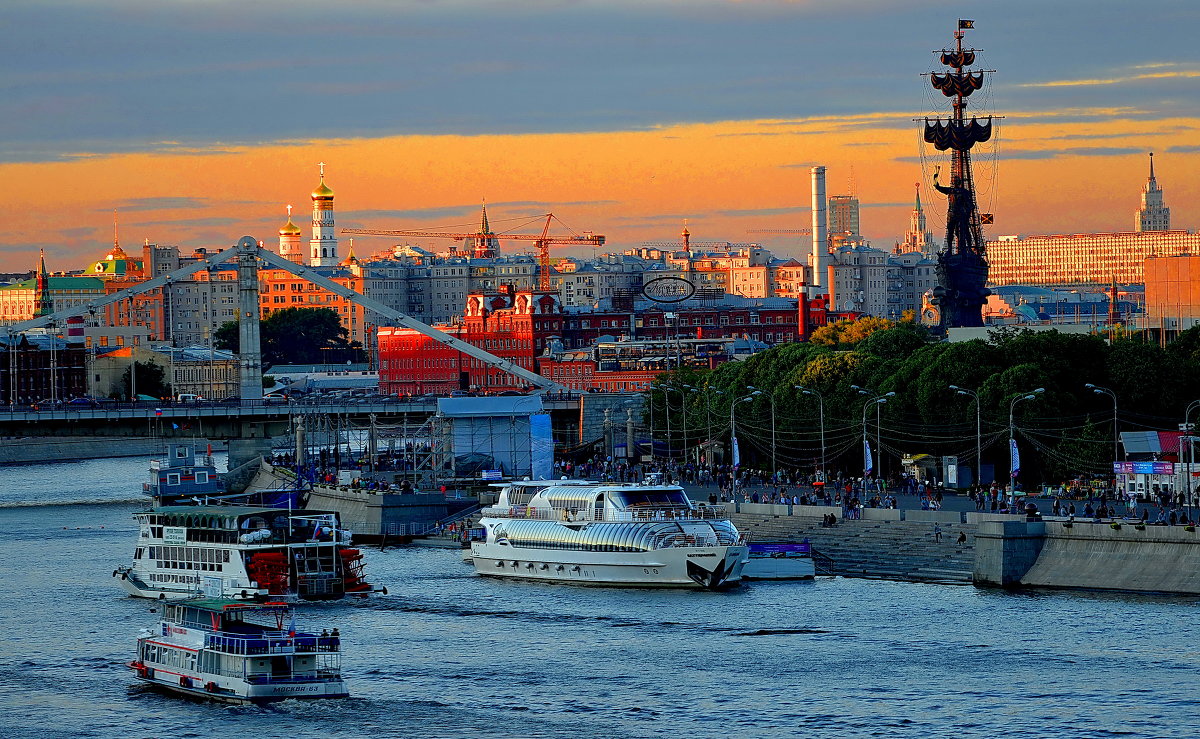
(780, 561)
(608, 534)
(238, 652)
(242, 552)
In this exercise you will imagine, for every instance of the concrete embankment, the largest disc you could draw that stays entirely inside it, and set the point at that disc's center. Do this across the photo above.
(1054, 554)
(884, 544)
(70, 448)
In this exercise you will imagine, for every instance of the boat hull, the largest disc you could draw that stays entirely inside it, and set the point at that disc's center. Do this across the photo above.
(683, 567)
(779, 568)
(244, 693)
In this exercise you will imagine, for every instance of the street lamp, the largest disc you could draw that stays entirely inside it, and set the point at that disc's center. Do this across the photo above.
(1105, 391)
(821, 416)
(866, 445)
(1012, 432)
(733, 425)
(978, 431)
(708, 393)
(1186, 428)
(774, 456)
(878, 425)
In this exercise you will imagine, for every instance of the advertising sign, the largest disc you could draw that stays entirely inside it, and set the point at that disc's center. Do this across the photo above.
(668, 290)
(175, 536)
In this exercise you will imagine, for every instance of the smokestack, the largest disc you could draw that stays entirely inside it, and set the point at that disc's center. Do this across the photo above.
(820, 229)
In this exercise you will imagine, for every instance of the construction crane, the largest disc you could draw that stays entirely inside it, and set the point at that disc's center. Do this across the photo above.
(541, 241)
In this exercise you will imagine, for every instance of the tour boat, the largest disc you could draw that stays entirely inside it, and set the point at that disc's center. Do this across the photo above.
(238, 652)
(576, 531)
(183, 477)
(780, 561)
(242, 552)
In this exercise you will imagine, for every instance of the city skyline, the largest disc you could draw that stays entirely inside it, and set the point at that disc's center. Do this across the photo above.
(660, 115)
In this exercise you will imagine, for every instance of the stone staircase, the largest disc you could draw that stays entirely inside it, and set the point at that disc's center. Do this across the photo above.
(887, 550)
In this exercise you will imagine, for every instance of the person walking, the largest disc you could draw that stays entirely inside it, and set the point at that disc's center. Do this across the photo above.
(937, 533)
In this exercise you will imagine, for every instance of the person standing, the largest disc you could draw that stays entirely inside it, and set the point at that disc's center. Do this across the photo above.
(937, 533)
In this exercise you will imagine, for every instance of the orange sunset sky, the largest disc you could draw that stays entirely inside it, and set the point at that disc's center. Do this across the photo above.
(1071, 156)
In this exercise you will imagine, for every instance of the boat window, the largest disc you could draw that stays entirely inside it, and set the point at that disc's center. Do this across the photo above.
(173, 478)
(650, 497)
(181, 452)
(201, 477)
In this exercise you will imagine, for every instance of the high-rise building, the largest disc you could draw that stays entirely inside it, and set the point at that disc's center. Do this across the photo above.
(844, 224)
(1153, 215)
(1082, 259)
(918, 238)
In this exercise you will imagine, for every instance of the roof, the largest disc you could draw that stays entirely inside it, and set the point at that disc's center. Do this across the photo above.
(220, 605)
(516, 405)
(60, 283)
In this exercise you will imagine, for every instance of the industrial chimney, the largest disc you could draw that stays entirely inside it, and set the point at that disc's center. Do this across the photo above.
(820, 230)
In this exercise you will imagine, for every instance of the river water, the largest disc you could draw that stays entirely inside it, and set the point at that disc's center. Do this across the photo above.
(448, 654)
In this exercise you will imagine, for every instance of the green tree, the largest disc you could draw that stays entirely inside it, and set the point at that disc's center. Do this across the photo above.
(297, 336)
(151, 380)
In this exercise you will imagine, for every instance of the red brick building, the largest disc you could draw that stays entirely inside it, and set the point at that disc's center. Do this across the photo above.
(621, 349)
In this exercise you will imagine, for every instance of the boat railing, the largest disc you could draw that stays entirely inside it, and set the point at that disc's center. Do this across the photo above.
(678, 539)
(639, 515)
(271, 644)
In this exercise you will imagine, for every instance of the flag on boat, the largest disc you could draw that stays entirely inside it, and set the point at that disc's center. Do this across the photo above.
(1014, 458)
(868, 461)
(962, 24)
(175, 426)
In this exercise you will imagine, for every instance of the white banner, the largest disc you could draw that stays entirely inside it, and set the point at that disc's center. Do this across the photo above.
(1014, 459)
(868, 461)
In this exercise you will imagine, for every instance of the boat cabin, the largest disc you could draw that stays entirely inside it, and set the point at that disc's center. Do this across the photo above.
(186, 524)
(182, 474)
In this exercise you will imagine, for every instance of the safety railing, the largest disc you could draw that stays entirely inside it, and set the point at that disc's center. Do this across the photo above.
(272, 644)
(639, 515)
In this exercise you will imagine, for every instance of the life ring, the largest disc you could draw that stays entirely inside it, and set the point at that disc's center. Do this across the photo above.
(210, 687)
(185, 682)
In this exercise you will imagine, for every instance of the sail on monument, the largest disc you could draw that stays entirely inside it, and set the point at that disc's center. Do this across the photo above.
(962, 267)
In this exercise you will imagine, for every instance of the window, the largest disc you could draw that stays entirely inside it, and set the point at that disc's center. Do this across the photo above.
(201, 478)
(173, 478)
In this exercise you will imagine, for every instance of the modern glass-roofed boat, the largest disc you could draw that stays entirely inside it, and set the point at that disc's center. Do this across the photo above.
(608, 534)
(238, 652)
(242, 552)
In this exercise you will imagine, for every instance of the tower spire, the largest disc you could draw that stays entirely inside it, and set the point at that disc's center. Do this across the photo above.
(484, 228)
(1151, 165)
(117, 242)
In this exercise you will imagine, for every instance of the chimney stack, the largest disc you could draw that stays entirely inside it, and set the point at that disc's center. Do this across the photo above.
(820, 230)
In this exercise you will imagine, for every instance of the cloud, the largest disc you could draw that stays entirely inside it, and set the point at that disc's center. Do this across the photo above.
(134, 205)
(1189, 149)
(187, 222)
(1119, 80)
(763, 211)
(1079, 151)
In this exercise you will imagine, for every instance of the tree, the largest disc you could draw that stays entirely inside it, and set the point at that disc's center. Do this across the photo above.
(151, 380)
(297, 336)
(848, 333)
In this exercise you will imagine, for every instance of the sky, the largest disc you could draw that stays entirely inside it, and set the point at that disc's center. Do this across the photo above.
(200, 120)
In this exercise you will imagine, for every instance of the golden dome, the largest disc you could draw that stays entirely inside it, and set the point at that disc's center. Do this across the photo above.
(289, 228)
(322, 192)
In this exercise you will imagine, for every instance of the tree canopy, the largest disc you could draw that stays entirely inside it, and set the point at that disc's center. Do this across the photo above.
(1065, 430)
(297, 336)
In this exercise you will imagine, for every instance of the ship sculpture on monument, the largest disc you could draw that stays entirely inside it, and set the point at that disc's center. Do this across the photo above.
(962, 267)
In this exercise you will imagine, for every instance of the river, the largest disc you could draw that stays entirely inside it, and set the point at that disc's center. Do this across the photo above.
(449, 654)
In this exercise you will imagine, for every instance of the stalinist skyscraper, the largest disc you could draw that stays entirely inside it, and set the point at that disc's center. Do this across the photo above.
(1153, 215)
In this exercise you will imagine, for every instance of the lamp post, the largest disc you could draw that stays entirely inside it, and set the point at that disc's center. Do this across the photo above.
(683, 391)
(821, 416)
(866, 444)
(1187, 476)
(733, 426)
(708, 393)
(774, 456)
(978, 431)
(1105, 391)
(1012, 432)
(878, 425)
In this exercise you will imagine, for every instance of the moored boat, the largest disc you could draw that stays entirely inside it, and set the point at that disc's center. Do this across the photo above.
(780, 561)
(237, 652)
(577, 531)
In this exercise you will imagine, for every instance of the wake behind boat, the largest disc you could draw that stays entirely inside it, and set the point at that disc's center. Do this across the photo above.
(608, 534)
